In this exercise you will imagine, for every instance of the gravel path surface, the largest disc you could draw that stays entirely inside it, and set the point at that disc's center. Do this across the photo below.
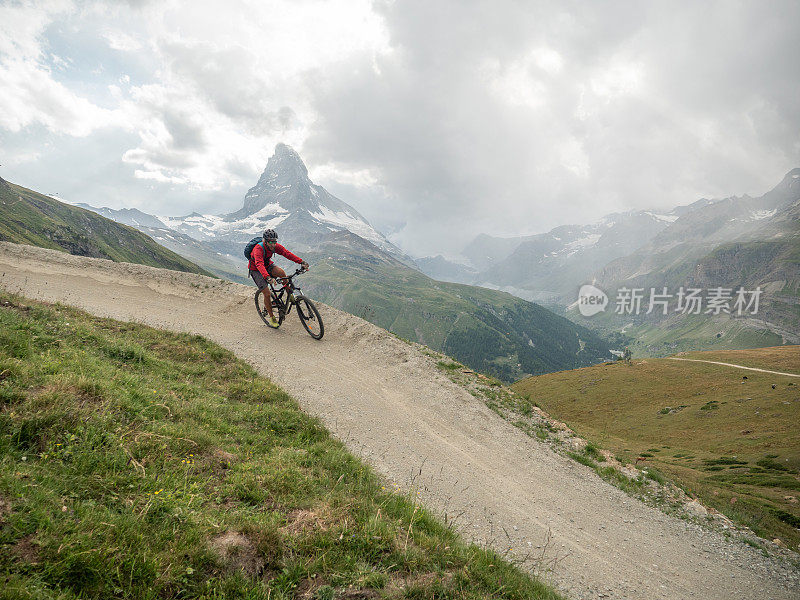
(386, 401)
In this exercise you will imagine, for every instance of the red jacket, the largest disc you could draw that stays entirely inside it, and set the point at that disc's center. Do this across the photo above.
(260, 257)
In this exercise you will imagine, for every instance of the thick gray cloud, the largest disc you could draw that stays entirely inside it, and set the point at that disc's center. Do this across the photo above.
(515, 117)
(436, 120)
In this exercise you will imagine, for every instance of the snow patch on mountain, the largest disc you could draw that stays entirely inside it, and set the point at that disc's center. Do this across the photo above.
(581, 243)
(758, 215)
(664, 218)
(203, 227)
(344, 220)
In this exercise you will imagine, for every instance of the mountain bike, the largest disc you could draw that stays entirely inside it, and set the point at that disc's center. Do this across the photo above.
(287, 295)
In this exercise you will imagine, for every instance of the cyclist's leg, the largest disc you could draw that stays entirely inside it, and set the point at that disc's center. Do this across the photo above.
(274, 271)
(261, 283)
(277, 273)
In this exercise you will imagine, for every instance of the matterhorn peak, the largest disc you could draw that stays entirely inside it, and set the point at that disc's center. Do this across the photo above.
(284, 199)
(284, 163)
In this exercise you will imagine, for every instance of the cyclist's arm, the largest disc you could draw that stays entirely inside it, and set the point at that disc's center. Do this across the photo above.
(284, 252)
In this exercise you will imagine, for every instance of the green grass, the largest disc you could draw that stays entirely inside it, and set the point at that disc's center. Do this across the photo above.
(137, 463)
(449, 365)
(734, 445)
(27, 217)
(687, 333)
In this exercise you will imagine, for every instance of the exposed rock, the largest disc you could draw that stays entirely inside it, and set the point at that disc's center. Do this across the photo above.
(695, 508)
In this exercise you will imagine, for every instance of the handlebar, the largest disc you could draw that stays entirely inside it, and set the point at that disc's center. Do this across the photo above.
(289, 277)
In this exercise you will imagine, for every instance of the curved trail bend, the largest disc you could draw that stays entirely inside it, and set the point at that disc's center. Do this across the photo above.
(389, 404)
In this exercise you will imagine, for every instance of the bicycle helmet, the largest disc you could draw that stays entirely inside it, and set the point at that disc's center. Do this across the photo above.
(270, 236)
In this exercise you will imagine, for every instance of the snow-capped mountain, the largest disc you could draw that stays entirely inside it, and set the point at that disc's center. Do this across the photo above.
(126, 216)
(549, 267)
(284, 199)
(698, 232)
(546, 266)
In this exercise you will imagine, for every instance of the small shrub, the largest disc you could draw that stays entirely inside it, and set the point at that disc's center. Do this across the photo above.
(594, 452)
(448, 365)
(583, 459)
(788, 518)
(724, 460)
(769, 463)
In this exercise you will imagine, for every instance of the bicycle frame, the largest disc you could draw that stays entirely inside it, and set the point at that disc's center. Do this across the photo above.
(280, 295)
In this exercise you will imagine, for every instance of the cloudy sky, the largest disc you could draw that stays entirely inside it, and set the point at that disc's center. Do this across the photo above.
(436, 120)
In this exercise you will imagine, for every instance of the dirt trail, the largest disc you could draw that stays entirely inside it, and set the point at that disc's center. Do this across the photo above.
(387, 402)
(724, 364)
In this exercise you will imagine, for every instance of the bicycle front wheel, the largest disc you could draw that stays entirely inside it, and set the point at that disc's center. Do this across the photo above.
(309, 317)
(262, 311)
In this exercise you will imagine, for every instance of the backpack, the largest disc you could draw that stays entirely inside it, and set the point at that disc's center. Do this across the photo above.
(250, 245)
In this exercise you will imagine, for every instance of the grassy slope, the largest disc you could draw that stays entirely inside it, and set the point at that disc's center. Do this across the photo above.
(138, 463)
(692, 332)
(734, 445)
(490, 331)
(773, 264)
(27, 217)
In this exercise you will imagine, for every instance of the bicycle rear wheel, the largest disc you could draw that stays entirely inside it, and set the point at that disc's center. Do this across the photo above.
(309, 317)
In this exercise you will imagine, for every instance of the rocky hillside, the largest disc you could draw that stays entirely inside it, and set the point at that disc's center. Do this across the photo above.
(736, 243)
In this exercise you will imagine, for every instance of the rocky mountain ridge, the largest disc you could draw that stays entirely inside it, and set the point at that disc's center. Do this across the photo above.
(284, 198)
(550, 267)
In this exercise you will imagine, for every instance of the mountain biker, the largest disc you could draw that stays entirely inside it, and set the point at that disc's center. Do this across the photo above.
(262, 269)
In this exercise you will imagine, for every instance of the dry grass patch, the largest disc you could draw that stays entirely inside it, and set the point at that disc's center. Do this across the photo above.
(238, 553)
(732, 442)
(321, 518)
(25, 550)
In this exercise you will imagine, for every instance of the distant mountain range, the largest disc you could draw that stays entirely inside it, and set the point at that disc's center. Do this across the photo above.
(731, 243)
(549, 267)
(284, 198)
(490, 331)
(27, 217)
(357, 269)
(735, 243)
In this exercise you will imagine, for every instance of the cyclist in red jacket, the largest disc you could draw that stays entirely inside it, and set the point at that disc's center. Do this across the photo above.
(262, 268)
